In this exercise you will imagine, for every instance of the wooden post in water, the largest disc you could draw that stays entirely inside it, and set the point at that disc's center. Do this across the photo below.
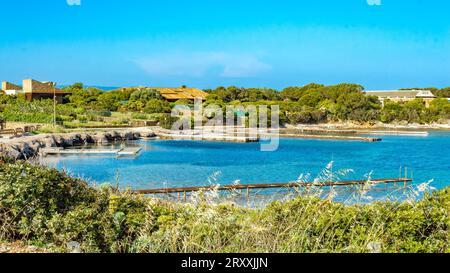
(248, 194)
(399, 175)
(185, 199)
(406, 177)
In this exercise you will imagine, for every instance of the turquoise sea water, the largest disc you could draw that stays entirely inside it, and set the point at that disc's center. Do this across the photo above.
(187, 163)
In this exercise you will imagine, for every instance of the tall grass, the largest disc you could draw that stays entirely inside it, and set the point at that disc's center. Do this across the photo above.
(47, 207)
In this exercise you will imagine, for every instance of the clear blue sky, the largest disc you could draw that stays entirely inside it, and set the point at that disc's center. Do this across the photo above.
(206, 43)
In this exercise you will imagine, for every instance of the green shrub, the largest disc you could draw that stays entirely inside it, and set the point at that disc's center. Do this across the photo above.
(46, 207)
(104, 113)
(166, 121)
(139, 116)
(82, 119)
(31, 195)
(154, 106)
(40, 111)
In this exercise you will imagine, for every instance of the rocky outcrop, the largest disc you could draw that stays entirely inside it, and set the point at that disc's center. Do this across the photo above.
(28, 148)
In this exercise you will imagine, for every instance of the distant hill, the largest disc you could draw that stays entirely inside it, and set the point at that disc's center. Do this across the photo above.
(104, 88)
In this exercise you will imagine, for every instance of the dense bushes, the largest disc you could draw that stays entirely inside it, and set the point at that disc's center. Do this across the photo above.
(315, 103)
(30, 196)
(312, 103)
(20, 110)
(415, 111)
(232, 93)
(49, 208)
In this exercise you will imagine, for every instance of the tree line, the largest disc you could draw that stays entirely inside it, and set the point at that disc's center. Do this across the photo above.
(308, 104)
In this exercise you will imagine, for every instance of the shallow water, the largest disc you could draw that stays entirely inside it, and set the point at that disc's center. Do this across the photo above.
(188, 163)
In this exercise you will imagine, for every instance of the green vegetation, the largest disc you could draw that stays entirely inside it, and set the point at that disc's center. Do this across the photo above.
(315, 103)
(47, 208)
(443, 93)
(20, 110)
(415, 111)
(312, 103)
(440, 93)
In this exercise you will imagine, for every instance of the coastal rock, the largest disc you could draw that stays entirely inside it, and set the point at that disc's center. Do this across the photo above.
(35, 146)
(13, 152)
(115, 136)
(109, 137)
(89, 139)
(128, 136)
(49, 142)
(149, 134)
(82, 138)
(59, 140)
(66, 142)
(77, 140)
(100, 138)
(26, 150)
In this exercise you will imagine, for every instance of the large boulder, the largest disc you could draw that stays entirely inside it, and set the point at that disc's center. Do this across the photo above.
(49, 142)
(148, 134)
(35, 146)
(115, 136)
(100, 138)
(89, 139)
(137, 135)
(77, 140)
(128, 136)
(27, 150)
(67, 141)
(13, 152)
(61, 141)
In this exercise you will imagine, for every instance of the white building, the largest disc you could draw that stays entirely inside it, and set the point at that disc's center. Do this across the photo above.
(402, 95)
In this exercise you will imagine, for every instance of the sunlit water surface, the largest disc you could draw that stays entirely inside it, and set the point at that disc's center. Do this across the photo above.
(192, 163)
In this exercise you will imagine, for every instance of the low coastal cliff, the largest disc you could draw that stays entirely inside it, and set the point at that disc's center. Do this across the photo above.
(28, 147)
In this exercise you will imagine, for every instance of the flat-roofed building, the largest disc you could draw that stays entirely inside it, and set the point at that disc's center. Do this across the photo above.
(42, 90)
(182, 93)
(402, 95)
(11, 89)
(173, 94)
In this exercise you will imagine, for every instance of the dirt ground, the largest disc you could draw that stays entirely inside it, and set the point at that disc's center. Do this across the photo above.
(18, 247)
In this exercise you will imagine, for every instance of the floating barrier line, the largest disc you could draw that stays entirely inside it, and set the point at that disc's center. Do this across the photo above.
(275, 185)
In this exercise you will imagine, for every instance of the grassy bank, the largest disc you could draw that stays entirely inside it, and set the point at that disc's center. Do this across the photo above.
(49, 209)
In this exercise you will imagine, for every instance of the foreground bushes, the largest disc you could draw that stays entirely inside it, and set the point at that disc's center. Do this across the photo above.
(48, 208)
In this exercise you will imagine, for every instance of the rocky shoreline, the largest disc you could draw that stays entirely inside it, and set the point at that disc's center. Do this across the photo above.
(29, 147)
